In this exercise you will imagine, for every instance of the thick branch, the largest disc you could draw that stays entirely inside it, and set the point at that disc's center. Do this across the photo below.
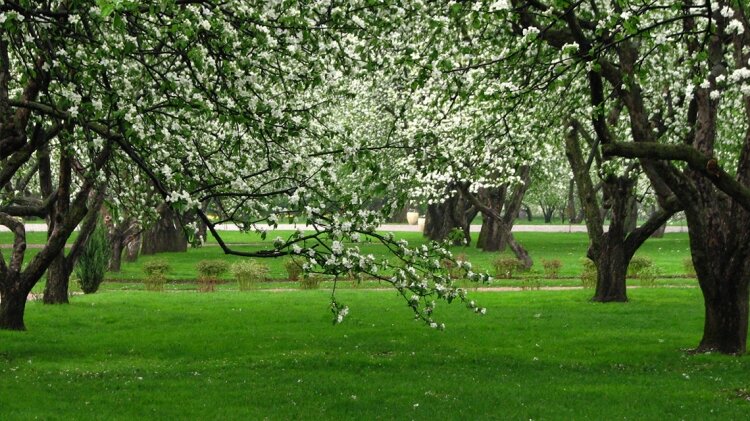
(707, 166)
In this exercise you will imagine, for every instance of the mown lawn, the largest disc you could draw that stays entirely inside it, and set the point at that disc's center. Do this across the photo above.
(668, 254)
(255, 355)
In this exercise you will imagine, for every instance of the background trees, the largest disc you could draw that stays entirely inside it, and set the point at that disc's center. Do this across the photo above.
(243, 105)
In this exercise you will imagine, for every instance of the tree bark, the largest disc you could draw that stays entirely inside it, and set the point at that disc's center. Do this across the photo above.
(570, 208)
(12, 307)
(58, 279)
(612, 258)
(725, 326)
(443, 218)
(166, 235)
(115, 261)
(132, 247)
(491, 236)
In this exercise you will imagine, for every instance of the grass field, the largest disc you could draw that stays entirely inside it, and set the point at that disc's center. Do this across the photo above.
(264, 355)
(668, 253)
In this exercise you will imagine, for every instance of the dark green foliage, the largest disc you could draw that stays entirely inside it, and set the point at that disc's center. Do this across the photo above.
(94, 259)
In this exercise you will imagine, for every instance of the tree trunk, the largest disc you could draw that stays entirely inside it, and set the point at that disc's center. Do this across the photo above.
(570, 208)
(612, 267)
(115, 260)
(132, 247)
(443, 218)
(548, 212)
(529, 216)
(631, 214)
(491, 236)
(166, 235)
(58, 278)
(725, 326)
(12, 307)
(659, 233)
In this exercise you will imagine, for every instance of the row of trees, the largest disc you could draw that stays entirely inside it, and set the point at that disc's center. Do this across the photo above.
(274, 109)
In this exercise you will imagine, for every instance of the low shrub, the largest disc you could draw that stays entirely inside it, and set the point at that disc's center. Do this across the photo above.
(454, 271)
(506, 266)
(293, 270)
(589, 274)
(647, 276)
(248, 273)
(209, 272)
(156, 274)
(551, 268)
(687, 264)
(531, 283)
(94, 259)
(310, 281)
(638, 264)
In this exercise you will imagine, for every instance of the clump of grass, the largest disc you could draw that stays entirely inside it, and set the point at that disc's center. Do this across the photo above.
(310, 281)
(589, 274)
(506, 266)
(551, 268)
(687, 264)
(293, 270)
(248, 273)
(209, 272)
(156, 274)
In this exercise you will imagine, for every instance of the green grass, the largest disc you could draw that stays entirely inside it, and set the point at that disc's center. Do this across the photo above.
(535, 355)
(668, 254)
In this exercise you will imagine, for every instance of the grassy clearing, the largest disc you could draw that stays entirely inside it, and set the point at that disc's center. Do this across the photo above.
(535, 355)
(667, 253)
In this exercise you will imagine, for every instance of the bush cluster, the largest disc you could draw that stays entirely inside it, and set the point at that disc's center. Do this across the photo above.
(248, 273)
(551, 268)
(209, 272)
(506, 266)
(156, 274)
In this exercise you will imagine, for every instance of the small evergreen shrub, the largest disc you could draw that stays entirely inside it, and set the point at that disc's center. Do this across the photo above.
(551, 268)
(310, 281)
(156, 274)
(248, 273)
(209, 272)
(687, 264)
(589, 274)
(94, 259)
(293, 270)
(506, 266)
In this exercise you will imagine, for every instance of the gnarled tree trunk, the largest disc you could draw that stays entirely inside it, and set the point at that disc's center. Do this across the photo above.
(12, 307)
(444, 217)
(166, 235)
